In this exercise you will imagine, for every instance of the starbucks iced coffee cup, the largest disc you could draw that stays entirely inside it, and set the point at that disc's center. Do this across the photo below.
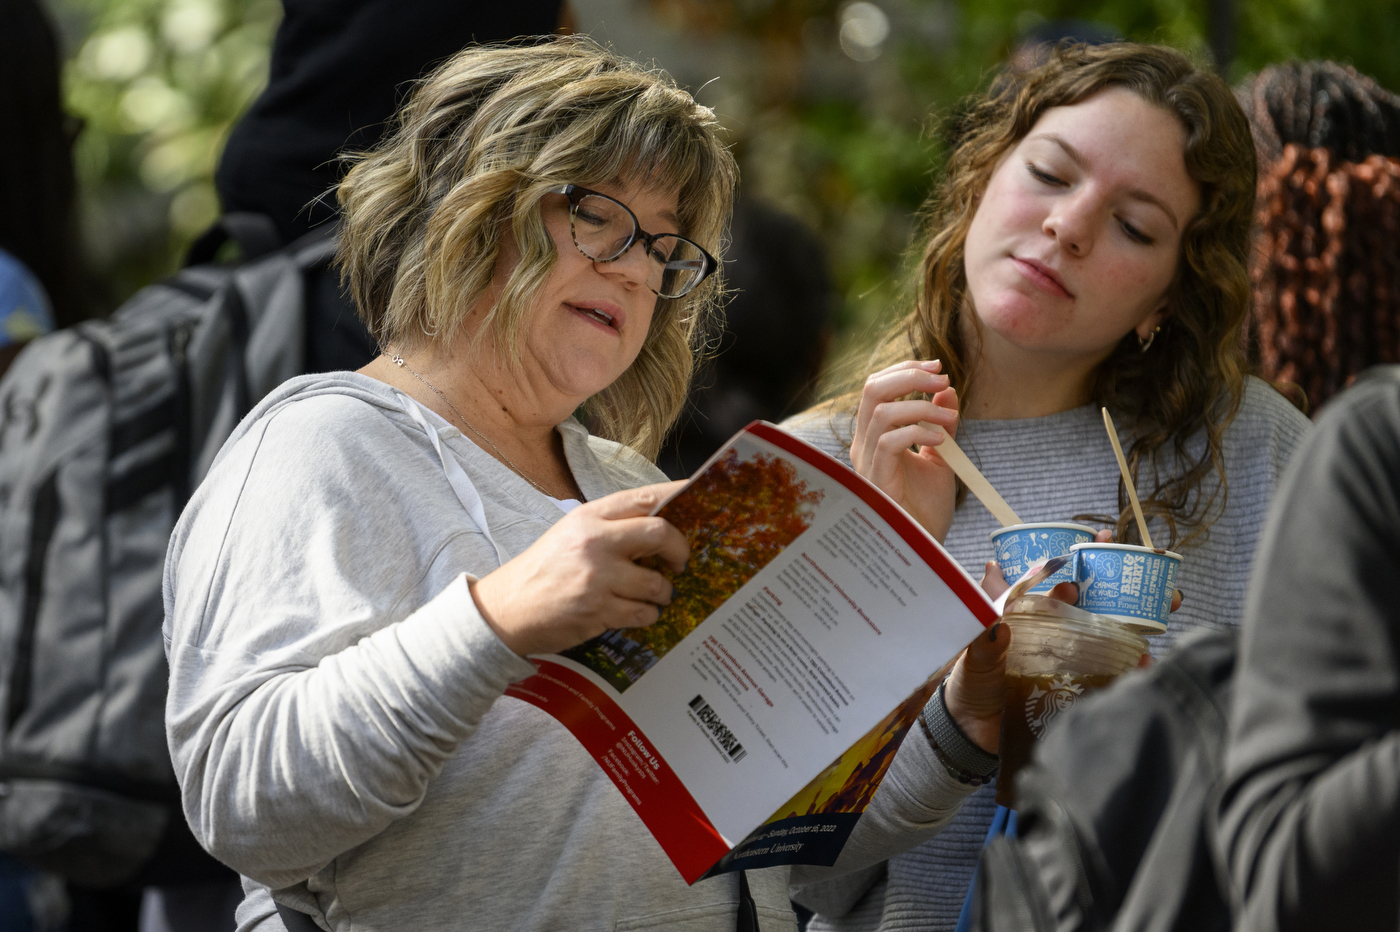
(1057, 654)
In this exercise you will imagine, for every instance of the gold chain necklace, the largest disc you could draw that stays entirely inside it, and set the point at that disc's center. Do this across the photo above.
(399, 361)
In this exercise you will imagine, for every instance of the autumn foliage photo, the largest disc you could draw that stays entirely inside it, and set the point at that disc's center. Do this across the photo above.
(850, 782)
(738, 515)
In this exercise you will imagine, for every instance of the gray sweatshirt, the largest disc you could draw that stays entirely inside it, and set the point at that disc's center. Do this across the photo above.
(1052, 469)
(336, 716)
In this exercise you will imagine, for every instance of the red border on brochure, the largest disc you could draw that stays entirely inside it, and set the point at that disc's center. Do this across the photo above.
(639, 772)
(897, 518)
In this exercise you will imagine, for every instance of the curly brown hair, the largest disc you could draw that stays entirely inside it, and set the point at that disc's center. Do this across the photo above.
(1325, 271)
(1191, 384)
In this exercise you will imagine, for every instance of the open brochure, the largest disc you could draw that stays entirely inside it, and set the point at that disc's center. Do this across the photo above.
(751, 724)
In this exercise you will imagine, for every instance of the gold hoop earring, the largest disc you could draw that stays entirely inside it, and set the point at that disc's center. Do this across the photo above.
(1146, 344)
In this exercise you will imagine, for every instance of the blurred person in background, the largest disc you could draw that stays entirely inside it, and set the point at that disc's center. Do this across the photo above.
(1088, 247)
(339, 72)
(1326, 267)
(1310, 821)
(777, 326)
(42, 284)
(24, 308)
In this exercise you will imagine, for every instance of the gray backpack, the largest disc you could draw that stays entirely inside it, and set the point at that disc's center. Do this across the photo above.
(104, 430)
(1116, 812)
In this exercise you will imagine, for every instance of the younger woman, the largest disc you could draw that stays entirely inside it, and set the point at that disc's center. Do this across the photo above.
(1089, 247)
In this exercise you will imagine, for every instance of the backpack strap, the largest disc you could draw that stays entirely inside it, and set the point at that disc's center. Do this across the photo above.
(747, 920)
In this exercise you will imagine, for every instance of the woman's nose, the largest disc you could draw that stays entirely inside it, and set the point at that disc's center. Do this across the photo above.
(1071, 223)
(633, 266)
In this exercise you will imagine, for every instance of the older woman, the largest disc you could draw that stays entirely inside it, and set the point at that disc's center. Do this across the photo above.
(374, 554)
(1089, 247)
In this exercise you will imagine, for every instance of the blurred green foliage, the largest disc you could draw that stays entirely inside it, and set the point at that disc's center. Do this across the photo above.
(158, 84)
(835, 127)
(857, 154)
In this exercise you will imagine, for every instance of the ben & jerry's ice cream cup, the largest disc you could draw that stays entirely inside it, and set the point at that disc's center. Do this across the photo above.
(1128, 583)
(1021, 546)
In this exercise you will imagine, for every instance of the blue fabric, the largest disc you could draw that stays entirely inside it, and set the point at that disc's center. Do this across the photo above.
(24, 308)
(14, 896)
(24, 315)
(1003, 823)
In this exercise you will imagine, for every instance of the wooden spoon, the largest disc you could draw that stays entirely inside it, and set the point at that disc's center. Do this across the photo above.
(1127, 479)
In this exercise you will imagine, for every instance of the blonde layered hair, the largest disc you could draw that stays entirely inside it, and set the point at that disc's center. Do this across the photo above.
(479, 143)
(1188, 387)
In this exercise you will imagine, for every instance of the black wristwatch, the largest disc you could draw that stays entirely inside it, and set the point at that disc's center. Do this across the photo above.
(959, 754)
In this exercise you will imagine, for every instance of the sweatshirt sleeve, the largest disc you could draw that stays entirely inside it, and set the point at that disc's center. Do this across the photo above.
(1312, 807)
(915, 801)
(318, 682)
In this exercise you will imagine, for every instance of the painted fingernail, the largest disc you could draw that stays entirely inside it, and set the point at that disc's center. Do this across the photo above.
(1181, 594)
(992, 633)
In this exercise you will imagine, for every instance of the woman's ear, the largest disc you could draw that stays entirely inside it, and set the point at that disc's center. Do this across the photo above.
(1153, 322)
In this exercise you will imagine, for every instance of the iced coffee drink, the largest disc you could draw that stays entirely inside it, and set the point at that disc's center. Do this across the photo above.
(1058, 653)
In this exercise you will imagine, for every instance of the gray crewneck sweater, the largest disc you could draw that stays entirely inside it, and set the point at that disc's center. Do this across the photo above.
(1052, 469)
(336, 716)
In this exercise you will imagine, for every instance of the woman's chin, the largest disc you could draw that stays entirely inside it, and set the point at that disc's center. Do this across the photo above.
(584, 382)
(1025, 332)
(1026, 325)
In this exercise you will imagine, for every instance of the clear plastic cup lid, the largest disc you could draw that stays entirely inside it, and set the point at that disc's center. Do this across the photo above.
(1043, 605)
(1043, 612)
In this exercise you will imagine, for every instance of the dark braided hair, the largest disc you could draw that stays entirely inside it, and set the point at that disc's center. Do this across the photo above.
(1320, 105)
(1325, 273)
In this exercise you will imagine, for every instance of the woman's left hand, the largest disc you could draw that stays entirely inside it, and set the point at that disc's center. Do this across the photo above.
(975, 688)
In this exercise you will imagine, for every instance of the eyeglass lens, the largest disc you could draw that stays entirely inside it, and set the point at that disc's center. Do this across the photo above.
(603, 228)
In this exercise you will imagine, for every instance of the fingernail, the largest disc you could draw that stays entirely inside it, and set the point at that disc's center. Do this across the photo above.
(992, 633)
(1181, 593)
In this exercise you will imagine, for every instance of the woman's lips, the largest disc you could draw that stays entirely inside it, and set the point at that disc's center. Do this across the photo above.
(606, 316)
(1043, 277)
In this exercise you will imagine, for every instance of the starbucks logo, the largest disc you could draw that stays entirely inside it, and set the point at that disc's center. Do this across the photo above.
(1044, 704)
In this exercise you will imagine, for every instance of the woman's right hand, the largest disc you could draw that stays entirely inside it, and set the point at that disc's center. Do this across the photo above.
(581, 577)
(888, 425)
